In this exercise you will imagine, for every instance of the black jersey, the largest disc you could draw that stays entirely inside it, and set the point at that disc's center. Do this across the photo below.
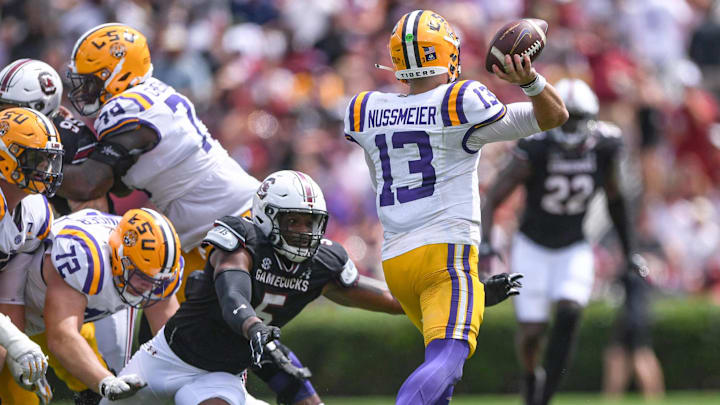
(78, 142)
(198, 334)
(562, 183)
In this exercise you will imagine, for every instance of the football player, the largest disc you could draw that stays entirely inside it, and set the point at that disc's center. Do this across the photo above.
(30, 171)
(150, 139)
(97, 265)
(422, 149)
(35, 84)
(261, 273)
(561, 170)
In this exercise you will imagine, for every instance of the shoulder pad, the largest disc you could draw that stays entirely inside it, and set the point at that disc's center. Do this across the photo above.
(527, 148)
(356, 112)
(335, 258)
(121, 113)
(79, 259)
(470, 102)
(228, 234)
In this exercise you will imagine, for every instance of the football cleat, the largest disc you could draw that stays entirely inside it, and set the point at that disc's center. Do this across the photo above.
(423, 44)
(106, 61)
(32, 84)
(146, 261)
(30, 151)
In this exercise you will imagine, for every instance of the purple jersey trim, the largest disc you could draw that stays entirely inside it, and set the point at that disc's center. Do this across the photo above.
(45, 224)
(140, 106)
(351, 113)
(496, 117)
(466, 268)
(351, 139)
(444, 107)
(362, 109)
(459, 102)
(455, 292)
(88, 253)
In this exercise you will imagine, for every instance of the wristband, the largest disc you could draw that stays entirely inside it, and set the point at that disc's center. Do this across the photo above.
(535, 87)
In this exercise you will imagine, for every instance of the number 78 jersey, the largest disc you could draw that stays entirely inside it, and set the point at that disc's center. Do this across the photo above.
(422, 161)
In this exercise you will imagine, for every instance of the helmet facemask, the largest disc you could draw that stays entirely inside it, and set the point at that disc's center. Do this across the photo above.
(39, 170)
(296, 233)
(575, 131)
(137, 288)
(86, 93)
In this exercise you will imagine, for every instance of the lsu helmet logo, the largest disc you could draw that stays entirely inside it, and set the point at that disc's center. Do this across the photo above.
(46, 83)
(118, 50)
(4, 128)
(263, 190)
(130, 238)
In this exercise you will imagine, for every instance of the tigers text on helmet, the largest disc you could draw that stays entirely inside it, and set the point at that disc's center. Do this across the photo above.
(106, 61)
(32, 84)
(146, 261)
(423, 44)
(281, 195)
(582, 104)
(30, 151)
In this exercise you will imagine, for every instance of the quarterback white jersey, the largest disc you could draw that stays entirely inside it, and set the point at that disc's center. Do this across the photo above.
(80, 253)
(422, 161)
(185, 160)
(24, 229)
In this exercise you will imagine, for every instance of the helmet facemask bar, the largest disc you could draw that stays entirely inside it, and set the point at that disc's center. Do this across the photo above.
(138, 289)
(296, 246)
(86, 92)
(38, 170)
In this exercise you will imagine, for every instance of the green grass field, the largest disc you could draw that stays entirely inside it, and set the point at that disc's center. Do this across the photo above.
(673, 398)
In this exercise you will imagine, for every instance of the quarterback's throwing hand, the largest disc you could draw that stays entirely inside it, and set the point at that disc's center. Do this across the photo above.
(501, 286)
(114, 388)
(260, 334)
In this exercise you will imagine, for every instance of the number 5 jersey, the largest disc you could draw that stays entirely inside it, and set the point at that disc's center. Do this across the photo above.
(423, 161)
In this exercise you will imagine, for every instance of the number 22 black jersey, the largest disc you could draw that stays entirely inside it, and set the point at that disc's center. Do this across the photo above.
(198, 334)
(562, 183)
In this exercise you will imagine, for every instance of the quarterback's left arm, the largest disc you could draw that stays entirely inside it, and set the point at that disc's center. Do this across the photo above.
(64, 314)
(367, 293)
(159, 313)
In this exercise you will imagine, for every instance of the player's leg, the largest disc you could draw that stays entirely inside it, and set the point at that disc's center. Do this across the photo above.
(289, 390)
(444, 279)
(572, 276)
(616, 370)
(215, 388)
(532, 310)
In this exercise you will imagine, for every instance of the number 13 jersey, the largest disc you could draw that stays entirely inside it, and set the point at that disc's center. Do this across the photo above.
(421, 162)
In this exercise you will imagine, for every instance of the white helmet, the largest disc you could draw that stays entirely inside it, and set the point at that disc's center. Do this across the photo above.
(284, 192)
(33, 84)
(582, 104)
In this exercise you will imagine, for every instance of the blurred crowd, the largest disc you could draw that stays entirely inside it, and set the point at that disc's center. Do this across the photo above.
(271, 79)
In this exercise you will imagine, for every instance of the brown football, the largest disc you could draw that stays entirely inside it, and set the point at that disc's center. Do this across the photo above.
(526, 36)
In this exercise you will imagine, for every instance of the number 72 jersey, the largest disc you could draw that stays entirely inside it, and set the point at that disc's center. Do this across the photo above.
(422, 161)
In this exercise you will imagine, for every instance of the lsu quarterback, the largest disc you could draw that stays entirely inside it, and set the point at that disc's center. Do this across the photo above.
(422, 149)
(99, 264)
(30, 170)
(150, 139)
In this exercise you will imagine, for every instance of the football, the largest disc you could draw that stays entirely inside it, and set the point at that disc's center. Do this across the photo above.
(526, 36)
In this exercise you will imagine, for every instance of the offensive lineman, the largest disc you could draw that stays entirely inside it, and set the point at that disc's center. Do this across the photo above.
(30, 170)
(97, 265)
(150, 139)
(422, 150)
(561, 170)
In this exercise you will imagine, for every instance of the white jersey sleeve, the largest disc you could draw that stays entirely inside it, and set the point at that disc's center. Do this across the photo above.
(80, 259)
(475, 105)
(39, 219)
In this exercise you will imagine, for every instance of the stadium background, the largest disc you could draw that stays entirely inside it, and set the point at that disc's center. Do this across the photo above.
(271, 80)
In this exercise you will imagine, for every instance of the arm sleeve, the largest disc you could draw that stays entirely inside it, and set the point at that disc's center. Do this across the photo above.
(9, 333)
(234, 291)
(518, 122)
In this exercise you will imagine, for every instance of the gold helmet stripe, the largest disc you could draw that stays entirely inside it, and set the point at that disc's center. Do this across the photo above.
(410, 40)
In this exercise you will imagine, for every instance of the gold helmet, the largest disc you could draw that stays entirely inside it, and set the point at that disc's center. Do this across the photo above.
(423, 44)
(106, 61)
(146, 261)
(30, 151)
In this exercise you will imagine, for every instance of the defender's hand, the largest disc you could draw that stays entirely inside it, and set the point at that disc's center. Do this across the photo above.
(259, 335)
(26, 362)
(114, 388)
(519, 70)
(283, 362)
(501, 286)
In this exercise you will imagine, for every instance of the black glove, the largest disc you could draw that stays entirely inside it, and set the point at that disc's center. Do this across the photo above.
(282, 361)
(501, 286)
(259, 335)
